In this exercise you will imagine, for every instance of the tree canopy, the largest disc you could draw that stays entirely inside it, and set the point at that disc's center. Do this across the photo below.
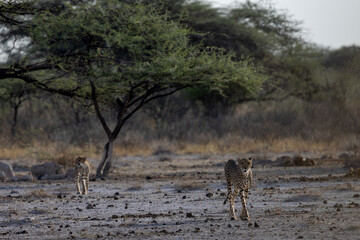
(117, 56)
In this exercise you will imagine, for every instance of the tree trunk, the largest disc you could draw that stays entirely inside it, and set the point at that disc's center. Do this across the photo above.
(14, 123)
(106, 159)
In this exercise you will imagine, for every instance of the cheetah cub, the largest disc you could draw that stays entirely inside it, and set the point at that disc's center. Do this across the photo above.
(239, 174)
(82, 172)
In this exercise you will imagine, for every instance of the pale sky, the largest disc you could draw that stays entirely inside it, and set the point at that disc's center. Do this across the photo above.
(329, 23)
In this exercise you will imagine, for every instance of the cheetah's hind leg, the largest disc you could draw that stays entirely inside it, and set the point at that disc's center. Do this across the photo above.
(232, 203)
(78, 184)
(244, 212)
(229, 192)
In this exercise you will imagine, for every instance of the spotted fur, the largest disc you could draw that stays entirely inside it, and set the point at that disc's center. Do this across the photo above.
(82, 173)
(238, 174)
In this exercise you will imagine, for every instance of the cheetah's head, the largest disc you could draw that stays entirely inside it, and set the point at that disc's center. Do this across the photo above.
(79, 160)
(245, 164)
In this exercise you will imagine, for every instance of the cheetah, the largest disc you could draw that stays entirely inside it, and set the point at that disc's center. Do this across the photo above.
(239, 174)
(82, 172)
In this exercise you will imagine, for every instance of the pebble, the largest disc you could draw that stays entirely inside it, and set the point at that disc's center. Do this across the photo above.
(89, 206)
(209, 195)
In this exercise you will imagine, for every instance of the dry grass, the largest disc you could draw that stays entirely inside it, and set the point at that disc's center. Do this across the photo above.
(238, 144)
(231, 143)
(37, 152)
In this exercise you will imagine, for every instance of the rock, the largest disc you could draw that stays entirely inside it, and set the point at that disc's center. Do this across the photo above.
(27, 177)
(338, 206)
(2, 176)
(70, 173)
(164, 159)
(308, 162)
(15, 194)
(7, 169)
(299, 160)
(283, 161)
(89, 206)
(263, 162)
(353, 162)
(53, 177)
(161, 151)
(209, 195)
(344, 156)
(256, 225)
(48, 168)
(189, 215)
(296, 161)
(20, 168)
(289, 163)
(353, 172)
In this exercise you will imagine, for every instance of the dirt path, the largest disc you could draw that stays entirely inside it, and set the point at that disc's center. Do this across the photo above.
(181, 198)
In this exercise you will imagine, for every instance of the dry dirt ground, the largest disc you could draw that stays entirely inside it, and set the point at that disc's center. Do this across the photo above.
(181, 197)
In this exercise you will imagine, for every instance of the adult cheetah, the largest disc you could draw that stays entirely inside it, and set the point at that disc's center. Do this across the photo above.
(238, 173)
(82, 173)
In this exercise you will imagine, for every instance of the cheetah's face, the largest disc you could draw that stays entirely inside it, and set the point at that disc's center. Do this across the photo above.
(79, 160)
(245, 164)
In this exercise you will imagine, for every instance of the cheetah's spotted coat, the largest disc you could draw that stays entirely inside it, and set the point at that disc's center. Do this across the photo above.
(238, 174)
(82, 172)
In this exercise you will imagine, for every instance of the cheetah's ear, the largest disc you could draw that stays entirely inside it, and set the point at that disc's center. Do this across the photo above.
(250, 158)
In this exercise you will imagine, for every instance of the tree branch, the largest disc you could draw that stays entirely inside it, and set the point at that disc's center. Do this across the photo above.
(97, 110)
(165, 94)
(144, 100)
(28, 79)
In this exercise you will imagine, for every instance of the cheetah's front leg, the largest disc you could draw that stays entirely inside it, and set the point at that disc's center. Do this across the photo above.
(244, 213)
(84, 185)
(87, 182)
(78, 184)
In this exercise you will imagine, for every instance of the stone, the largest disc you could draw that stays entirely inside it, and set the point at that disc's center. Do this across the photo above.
(2, 176)
(7, 169)
(209, 195)
(344, 156)
(26, 177)
(353, 162)
(280, 161)
(308, 162)
(48, 168)
(53, 177)
(299, 160)
(70, 173)
(289, 163)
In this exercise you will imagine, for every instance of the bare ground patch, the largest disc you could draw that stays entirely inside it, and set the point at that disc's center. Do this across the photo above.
(149, 199)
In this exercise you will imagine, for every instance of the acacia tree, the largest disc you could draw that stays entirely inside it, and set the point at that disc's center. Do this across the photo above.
(117, 56)
(15, 93)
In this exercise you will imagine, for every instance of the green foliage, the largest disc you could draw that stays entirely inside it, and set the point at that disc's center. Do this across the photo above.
(343, 57)
(118, 45)
(14, 91)
(257, 30)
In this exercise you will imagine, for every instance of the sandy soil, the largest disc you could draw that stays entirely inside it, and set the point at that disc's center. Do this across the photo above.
(181, 197)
